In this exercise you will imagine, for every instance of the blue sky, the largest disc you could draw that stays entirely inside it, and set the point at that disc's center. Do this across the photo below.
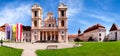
(81, 13)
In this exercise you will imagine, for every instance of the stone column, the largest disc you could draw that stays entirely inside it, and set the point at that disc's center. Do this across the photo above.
(51, 35)
(46, 36)
(38, 36)
(42, 35)
(66, 35)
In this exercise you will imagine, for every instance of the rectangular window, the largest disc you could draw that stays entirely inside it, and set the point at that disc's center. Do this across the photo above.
(35, 13)
(99, 34)
(35, 23)
(62, 13)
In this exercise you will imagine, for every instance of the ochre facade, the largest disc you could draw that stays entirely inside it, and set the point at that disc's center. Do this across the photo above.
(50, 29)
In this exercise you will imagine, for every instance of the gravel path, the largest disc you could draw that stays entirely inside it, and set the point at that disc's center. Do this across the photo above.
(29, 49)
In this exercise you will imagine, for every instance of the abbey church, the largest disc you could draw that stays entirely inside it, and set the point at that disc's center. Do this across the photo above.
(53, 29)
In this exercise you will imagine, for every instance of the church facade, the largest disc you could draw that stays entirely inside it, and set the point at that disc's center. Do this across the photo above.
(52, 29)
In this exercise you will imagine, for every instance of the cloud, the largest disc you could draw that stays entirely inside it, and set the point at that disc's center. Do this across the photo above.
(15, 14)
(102, 17)
(104, 4)
(103, 12)
(84, 22)
(75, 7)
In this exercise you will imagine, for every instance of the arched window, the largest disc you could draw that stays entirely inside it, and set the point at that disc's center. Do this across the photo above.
(62, 23)
(49, 25)
(99, 39)
(35, 23)
(62, 13)
(35, 13)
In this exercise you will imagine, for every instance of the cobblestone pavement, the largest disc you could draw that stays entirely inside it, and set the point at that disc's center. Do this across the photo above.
(29, 49)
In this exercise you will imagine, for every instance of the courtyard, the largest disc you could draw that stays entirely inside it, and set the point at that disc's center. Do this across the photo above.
(64, 49)
(29, 48)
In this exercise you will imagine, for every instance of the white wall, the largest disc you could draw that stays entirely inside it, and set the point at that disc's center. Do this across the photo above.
(118, 35)
(103, 34)
(112, 35)
(95, 34)
(2, 35)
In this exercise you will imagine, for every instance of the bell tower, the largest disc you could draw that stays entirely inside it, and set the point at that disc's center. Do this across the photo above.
(62, 17)
(36, 22)
(62, 23)
(36, 16)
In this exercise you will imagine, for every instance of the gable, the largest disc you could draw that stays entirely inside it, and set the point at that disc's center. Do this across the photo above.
(114, 27)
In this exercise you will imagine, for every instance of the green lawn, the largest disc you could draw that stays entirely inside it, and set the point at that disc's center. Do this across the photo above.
(7, 51)
(88, 49)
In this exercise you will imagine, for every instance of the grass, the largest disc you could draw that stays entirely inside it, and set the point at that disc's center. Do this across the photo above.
(88, 49)
(8, 51)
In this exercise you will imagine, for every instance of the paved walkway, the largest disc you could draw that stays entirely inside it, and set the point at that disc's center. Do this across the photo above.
(29, 49)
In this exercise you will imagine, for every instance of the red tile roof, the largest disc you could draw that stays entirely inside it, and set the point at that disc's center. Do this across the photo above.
(4, 25)
(94, 27)
(114, 27)
(80, 34)
(72, 36)
(2, 29)
(26, 28)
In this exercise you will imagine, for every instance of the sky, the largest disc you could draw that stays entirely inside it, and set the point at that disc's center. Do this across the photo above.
(81, 13)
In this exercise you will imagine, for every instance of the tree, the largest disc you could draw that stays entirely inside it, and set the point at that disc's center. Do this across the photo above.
(77, 40)
(90, 39)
